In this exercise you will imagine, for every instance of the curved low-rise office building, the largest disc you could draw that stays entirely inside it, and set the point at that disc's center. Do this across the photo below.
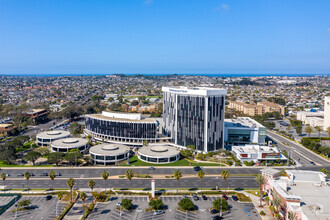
(46, 137)
(106, 154)
(66, 144)
(159, 154)
(122, 128)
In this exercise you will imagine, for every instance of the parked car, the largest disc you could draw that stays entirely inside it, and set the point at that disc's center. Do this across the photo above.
(204, 197)
(214, 211)
(216, 217)
(118, 204)
(225, 197)
(195, 197)
(158, 212)
(234, 198)
(197, 168)
(49, 197)
(312, 162)
(44, 174)
(58, 174)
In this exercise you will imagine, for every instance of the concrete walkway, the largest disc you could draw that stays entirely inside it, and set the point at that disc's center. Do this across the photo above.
(256, 203)
(77, 210)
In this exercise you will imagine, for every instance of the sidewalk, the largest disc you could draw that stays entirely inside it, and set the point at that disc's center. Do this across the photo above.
(256, 203)
(77, 210)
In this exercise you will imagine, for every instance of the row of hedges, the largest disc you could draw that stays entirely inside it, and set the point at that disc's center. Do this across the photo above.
(88, 211)
(65, 211)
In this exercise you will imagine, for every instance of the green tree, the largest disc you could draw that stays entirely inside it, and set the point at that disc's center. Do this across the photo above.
(309, 130)
(186, 204)
(55, 157)
(105, 176)
(24, 203)
(52, 176)
(32, 156)
(156, 204)
(201, 175)
(260, 179)
(224, 174)
(299, 129)
(59, 195)
(224, 204)
(127, 204)
(73, 156)
(3, 177)
(83, 197)
(325, 171)
(76, 128)
(318, 129)
(27, 176)
(70, 184)
(129, 175)
(177, 176)
(91, 184)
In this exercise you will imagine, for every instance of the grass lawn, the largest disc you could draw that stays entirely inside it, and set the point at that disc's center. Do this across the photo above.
(2, 164)
(135, 161)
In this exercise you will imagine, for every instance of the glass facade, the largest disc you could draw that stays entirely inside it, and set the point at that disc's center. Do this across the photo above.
(121, 129)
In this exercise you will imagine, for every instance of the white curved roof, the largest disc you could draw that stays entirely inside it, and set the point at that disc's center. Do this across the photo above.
(53, 134)
(69, 143)
(109, 149)
(159, 151)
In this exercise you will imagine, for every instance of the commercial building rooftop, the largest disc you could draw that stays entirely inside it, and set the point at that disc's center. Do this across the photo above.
(123, 117)
(204, 91)
(70, 142)
(54, 134)
(159, 151)
(243, 122)
(109, 149)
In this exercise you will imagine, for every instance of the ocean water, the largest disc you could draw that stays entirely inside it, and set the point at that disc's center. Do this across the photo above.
(162, 74)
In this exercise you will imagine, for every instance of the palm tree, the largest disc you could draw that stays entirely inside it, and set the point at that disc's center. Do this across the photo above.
(3, 177)
(276, 202)
(105, 176)
(129, 175)
(309, 130)
(27, 177)
(83, 197)
(91, 184)
(224, 174)
(70, 184)
(292, 215)
(201, 175)
(260, 179)
(318, 129)
(52, 176)
(177, 176)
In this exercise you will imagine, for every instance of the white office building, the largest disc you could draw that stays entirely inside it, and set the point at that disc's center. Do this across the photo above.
(257, 153)
(194, 116)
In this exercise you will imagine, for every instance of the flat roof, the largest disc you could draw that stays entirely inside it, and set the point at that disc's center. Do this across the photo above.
(69, 143)
(109, 149)
(243, 122)
(53, 134)
(203, 91)
(255, 149)
(159, 151)
(102, 117)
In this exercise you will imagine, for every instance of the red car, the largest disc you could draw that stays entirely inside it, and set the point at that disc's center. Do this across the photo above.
(225, 197)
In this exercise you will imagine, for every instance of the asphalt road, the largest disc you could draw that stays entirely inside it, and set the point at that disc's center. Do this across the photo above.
(193, 182)
(299, 153)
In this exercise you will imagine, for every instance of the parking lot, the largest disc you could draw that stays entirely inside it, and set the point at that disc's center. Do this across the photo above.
(108, 210)
(41, 209)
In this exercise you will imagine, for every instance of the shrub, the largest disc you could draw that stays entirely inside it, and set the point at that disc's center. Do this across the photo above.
(88, 211)
(127, 204)
(186, 204)
(224, 204)
(262, 213)
(156, 204)
(100, 197)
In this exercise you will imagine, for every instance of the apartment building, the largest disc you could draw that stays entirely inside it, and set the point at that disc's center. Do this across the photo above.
(258, 109)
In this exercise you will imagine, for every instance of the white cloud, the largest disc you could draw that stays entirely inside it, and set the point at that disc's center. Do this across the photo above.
(148, 2)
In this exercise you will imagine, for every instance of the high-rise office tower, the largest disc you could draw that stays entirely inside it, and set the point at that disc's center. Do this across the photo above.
(194, 116)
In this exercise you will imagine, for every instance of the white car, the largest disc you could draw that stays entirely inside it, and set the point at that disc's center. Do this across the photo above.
(158, 212)
(118, 204)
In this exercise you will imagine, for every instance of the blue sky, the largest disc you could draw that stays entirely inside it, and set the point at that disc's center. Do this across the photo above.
(164, 36)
